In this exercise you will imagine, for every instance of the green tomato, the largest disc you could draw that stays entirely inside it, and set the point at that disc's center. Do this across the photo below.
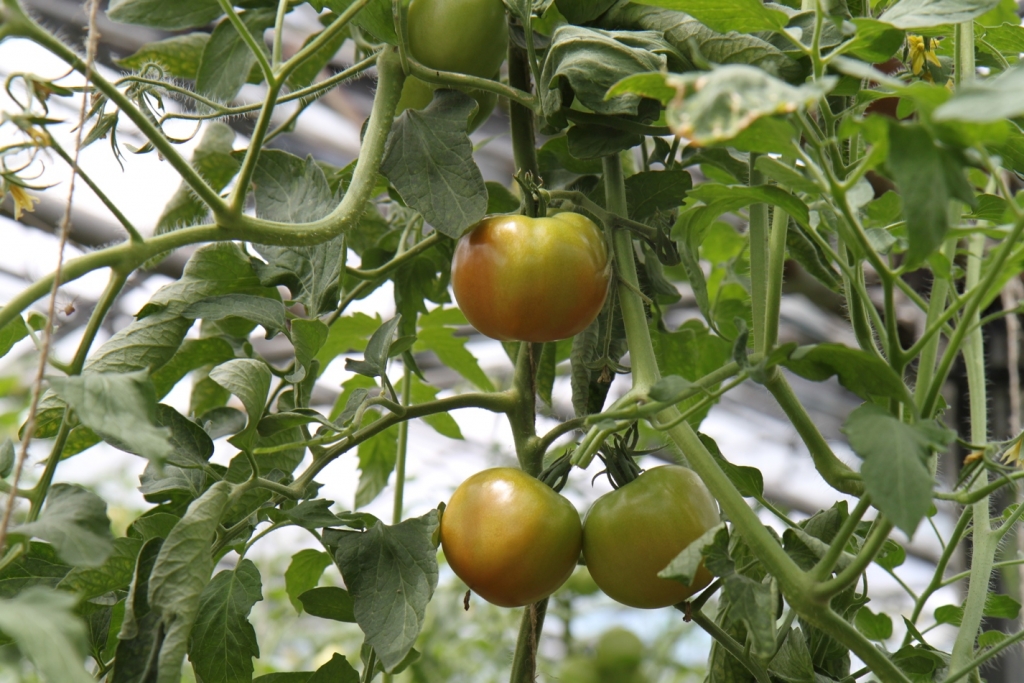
(465, 36)
(633, 533)
(618, 654)
(417, 94)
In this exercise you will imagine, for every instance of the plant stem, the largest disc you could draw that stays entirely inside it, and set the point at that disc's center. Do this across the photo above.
(282, 10)
(524, 146)
(524, 662)
(403, 445)
(930, 349)
(983, 539)
(838, 545)
(758, 234)
(249, 39)
(776, 266)
(730, 644)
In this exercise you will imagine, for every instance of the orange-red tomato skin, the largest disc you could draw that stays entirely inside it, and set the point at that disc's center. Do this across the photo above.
(531, 279)
(511, 538)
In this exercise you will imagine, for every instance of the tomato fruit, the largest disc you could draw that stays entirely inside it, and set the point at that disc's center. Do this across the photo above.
(464, 36)
(618, 654)
(417, 94)
(511, 538)
(531, 279)
(633, 533)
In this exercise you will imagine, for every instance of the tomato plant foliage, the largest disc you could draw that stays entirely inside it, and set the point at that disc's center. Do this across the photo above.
(864, 154)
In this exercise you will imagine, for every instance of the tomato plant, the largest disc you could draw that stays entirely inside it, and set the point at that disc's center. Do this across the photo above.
(313, 336)
(512, 539)
(633, 532)
(531, 279)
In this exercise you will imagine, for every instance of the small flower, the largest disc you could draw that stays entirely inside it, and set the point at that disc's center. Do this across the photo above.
(1011, 455)
(921, 51)
(23, 201)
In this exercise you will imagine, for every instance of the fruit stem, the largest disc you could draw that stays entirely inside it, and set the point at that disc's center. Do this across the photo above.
(524, 665)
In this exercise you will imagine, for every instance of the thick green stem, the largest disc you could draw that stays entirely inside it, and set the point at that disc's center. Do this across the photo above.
(834, 471)
(524, 146)
(282, 10)
(849, 576)
(524, 662)
(930, 348)
(983, 539)
(758, 257)
(249, 39)
(838, 545)
(776, 266)
(523, 417)
(236, 203)
(403, 446)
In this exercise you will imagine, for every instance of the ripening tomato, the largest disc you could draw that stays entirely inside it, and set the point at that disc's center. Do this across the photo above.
(511, 538)
(531, 279)
(417, 94)
(464, 36)
(633, 533)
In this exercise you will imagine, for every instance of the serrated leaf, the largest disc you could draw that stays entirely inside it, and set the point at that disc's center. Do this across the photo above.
(437, 335)
(38, 566)
(227, 59)
(716, 106)
(744, 16)
(792, 663)
(911, 14)
(258, 309)
(178, 56)
(182, 570)
(751, 603)
(649, 192)
(859, 371)
(391, 573)
(249, 380)
(303, 574)
(160, 14)
(114, 573)
(429, 160)
(42, 623)
(223, 642)
(894, 470)
(75, 521)
(683, 567)
(329, 602)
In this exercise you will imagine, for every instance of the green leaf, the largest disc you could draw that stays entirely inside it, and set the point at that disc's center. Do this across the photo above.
(875, 41)
(227, 59)
(303, 574)
(443, 423)
(429, 160)
(308, 336)
(249, 380)
(728, 198)
(329, 602)
(744, 16)
(378, 350)
(554, 155)
(191, 355)
(43, 624)
(588, 142)
(910, 14)
(75, 521)
(38, 566)
(307, 72)
(500, 199)
(589, 62)
(178, 56)
(213, 160)
(582, 11)
(949, 614)
(182, 570)
(12, 333)
(751, 603)
(891, 555)
(792, 663)
(290, 190)
(144, 344)
(786, 176)
(258, 309)
(377, 457)
(223, 641)
(349, 333)
(161, 14)
(338, 670)
(391, 573)
(115, 573)
(861, 372)
(138, 636)
(894, 470)
(873, 626)
(748, 480)
(437, 334)
(7, 458)
(1001, 606)
(684, 566)
(649, 192)
(690, 352)
(716, 106)
(993, 99)
(121, 408)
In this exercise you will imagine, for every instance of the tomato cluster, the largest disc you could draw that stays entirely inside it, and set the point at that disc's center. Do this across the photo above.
(464, 36)
(514, 541)
(531, 279)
